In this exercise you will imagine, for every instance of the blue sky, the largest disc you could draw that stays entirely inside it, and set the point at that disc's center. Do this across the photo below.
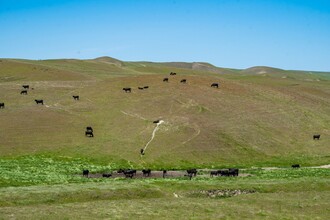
(293, 34)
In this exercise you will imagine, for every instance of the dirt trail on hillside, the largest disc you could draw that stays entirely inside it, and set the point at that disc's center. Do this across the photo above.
(153, 134)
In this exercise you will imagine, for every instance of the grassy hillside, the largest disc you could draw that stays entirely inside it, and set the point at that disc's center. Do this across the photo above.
(258, 116)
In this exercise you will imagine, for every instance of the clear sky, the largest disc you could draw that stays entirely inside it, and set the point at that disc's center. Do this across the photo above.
(292, 34)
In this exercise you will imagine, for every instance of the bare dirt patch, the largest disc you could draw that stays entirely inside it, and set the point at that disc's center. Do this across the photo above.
(222, 193)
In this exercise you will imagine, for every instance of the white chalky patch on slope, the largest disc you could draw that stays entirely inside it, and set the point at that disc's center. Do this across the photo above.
(153, 134)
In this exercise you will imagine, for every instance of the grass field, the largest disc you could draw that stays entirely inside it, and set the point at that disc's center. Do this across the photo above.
(258, 117)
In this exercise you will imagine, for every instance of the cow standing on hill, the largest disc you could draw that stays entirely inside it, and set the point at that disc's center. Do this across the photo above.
(233, 172)
(146, 172)
(85, 173)
(106, 175)
(39, 101)
(223, 172)
(26, 86)
(2, 105)
(89, 134)
(214, 173)
(192, 171)
(24, 92)
(183, 81)
(129, 173)
(316, 136)
(215, 85)
(164, 173)
(127, 89)
(165, 80)
(75, 97)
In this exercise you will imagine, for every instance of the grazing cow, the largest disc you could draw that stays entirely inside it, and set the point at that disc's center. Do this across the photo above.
(233, 172)
(215, 85)
(89, 128)
(165, 80)
(24, 92)
(25, 86)
(39, 101)
(214, 173)
(75, 97)
(316, 136)
(142, 151)
(2, 105)
(85, 173)
(295, 166)
(146, 172)
(223, 172)
(183, 81)
(156, 121)
(129, 173)
(164, 173)
(145, 87)
(106, 175)
(172, 74)
(89, 134)
(120, 170)
(192, 171)
(127, 89)
(141, 88)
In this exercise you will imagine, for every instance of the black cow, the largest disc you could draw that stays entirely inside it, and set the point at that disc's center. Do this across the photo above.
(164, 173)
(141, 88)
(145, 87)
(214, 173)
(156, 121)
(106, 175)
(142, 151)
(39, 101)
(129, 173)
(295, 166)
(165, 80)
(89, 128)
(316, 136)
(120, 170)
(75, 97)
(2, 105)
(172, 74)
(192, 171)
(146, 172)
(215, 85)
(24, 92)
(89, 134)
(183, 81)
(223, 172)
(26, 86)
(127, 89)
(233, 172)
(85, 173)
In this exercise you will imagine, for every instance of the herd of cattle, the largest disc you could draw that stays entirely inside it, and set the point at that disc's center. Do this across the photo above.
(190, 173)
(166, 79)
(130, 173)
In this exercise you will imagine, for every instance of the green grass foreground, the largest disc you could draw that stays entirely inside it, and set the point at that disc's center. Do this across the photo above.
(39, 187)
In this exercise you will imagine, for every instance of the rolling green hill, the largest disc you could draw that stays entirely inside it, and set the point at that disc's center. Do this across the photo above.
(257, 116)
